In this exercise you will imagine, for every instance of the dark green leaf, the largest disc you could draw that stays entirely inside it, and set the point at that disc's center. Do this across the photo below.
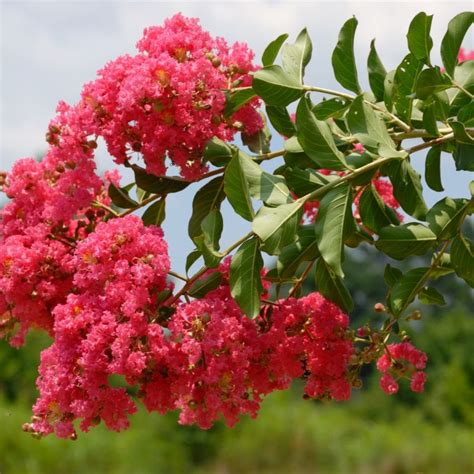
(429, 119)
(121, 198)
(316, 139)
(463, 157)
(275, 86)
(208, 242)
(466, 115)
(245, 280)
(433, 169)
(259, 142)
(237, 189)
(419, 39)
(391, 275)
(158, 185)
(192, 257)
(431, 81)
(452, 40)
(304, 249)
(204, 285)
(155, 214)
(272, 50)
(407, 189)
(430, 295)
(401, 241)
(406, 289)
(306, 181)
(209, 197)
(276, 226)
(334, 223)
(374, 213)
(343, 60)
(462, 258)
(377, 72)
(446, 216)
(281, 120)
(331, 286)
(460, 133)
(238, 99)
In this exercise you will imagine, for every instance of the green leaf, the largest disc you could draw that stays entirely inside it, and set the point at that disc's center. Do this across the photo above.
(245, 280)
(217, 152)
(330, 108)
(460, 133)
(331, 286)
(407, 189)
(453, 38)
(121, 198)
(466, 115)
(155, 214)
(295, 57)
(334, 223)
(237, 189)
(401, 241)
(275, 86)
(204, 285)
(429, 119)
(192, 257)
(209, 197)
(433, 169)
(462, 258)
(430, 81)
(304, 249)
(258, 142)
(446, 216)
(464, 76)
(377, 72)
(276, 226)
(419, 39)
(374, 213)
(272, 50)
(158, 185)
(269, 188)
(441, 266)
(405, 290)
(237, 100)
(430, 295)
(368, 127)
(316, 139)
(404, 86)
(281, 120)
(306, 181)
(463, 157)
(343, 60)
(391, 275)
(208, 242)
(388, 87)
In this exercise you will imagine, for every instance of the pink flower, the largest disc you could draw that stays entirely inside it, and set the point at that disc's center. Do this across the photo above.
(388, 384)
(402, 359)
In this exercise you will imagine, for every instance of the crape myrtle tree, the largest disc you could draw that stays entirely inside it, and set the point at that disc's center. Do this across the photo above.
(78, 262)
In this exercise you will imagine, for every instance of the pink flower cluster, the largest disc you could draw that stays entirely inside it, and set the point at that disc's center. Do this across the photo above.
(206, 359)
(402, 360)
(168, 100)
(50, 209)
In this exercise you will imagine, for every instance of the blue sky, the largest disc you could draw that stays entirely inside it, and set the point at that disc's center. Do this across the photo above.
(50, 48)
